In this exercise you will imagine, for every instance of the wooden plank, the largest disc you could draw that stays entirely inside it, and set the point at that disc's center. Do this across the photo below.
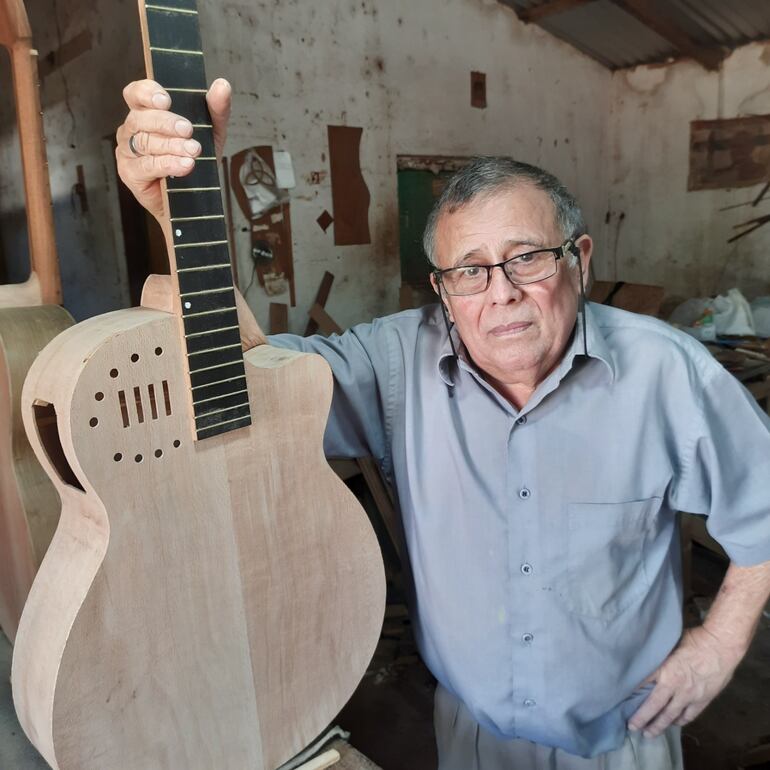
(550, 8)
(321, 298)
(350, 195)
(279, 318)
(649, 14)
(326, 324)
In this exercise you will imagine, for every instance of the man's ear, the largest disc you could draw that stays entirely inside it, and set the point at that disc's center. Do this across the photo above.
(441, 297)
(583, 249)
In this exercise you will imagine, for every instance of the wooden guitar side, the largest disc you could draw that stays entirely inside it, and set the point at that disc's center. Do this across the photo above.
(29, 504)
(203, 605)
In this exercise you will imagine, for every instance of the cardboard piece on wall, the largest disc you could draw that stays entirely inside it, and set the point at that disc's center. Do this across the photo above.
(350, 195)
(266, 207)
(279, 318)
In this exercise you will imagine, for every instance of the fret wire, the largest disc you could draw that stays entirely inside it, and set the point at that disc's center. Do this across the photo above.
(198, 269)
(181, 51)
(192, 189)
(211, 331)
(219, 382)
(224, 422)
(219, 411)
(172, 10)
(208, 312)
(192, 219)
(203, 125)
(201, 243)
(203, 158)
(188, 90)
(226, 395)
(207, 291)
(215, 366)
(214, 350)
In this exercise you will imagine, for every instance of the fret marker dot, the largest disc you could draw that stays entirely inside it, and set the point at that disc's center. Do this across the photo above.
(178, 233)
(187, 305)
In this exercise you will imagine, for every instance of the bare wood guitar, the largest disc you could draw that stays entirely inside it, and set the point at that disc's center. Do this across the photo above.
(29, 318)
(213, 592)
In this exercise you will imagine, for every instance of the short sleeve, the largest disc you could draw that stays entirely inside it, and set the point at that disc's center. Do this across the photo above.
(725, 471)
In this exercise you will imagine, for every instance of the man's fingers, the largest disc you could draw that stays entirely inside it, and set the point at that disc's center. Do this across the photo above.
(219, 99)
(658, 700)
(154, 144)
(671, 714)
(146, 94)
(157, 122)
(161, 166)
(690, 713)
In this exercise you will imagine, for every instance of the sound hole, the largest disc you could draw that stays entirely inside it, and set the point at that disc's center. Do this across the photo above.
(158, 453)
(48, 432)
(167, 398)
(117, 457)
(158, 351)
(177, 442)
(123, 407)
(139, 405)
(138, 458)
(99, 396)
(153, 404)
(93, 422)
(113, 373)
(134, 357)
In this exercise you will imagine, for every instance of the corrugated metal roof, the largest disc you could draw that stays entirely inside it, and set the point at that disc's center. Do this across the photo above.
(617, 38)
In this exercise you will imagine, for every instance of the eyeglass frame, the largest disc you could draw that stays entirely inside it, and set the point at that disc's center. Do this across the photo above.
(559, 252)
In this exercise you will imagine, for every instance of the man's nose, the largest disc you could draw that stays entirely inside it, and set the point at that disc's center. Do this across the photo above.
(500, 287)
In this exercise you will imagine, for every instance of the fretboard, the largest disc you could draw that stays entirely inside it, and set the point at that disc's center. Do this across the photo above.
(200, 257)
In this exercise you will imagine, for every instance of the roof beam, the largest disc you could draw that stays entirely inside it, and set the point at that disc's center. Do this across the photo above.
(648, 14)
(549, 8)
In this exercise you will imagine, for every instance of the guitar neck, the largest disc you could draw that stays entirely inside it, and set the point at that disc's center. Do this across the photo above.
(199, 254)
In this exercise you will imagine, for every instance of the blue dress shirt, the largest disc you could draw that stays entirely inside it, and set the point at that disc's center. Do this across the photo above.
(543, 543)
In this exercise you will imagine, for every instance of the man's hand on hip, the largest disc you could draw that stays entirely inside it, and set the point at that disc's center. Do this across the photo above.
(686, 682)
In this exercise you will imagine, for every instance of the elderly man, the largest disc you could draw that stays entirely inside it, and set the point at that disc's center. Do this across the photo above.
(539, 450)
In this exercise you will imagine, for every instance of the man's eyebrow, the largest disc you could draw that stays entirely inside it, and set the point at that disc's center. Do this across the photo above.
(531, 242)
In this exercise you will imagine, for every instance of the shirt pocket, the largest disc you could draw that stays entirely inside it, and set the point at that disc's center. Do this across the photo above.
(605, 556)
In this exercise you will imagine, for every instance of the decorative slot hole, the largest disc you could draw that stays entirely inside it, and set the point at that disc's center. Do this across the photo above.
(99, 396)
(134, 357)
(93, 422)
(113, 373)
(153, 405)
(117, 457)
(138, 458)
(167, 398)
(48, 432)
(158, 351)
(158, 453)
(139, 405)
(123, 408)
(177, 442)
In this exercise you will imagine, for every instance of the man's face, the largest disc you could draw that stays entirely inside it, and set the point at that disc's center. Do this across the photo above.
(514, 334)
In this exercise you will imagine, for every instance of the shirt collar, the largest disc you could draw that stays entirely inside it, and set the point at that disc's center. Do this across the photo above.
(596, 343)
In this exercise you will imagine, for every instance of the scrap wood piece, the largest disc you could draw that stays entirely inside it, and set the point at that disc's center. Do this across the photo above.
(279, 318)
(321, 297)
(751, 225)
(350, 195)
(634, 297)
(326, 324)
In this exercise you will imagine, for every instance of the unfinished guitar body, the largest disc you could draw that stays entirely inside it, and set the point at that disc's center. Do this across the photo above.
(29, 504)
(207, 604)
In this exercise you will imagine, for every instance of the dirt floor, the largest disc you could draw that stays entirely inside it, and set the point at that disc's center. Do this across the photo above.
(390, 715)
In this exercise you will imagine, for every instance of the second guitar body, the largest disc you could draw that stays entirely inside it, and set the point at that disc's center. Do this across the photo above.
(206, 604)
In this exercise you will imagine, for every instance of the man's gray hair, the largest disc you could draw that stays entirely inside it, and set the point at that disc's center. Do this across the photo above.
(486, 175)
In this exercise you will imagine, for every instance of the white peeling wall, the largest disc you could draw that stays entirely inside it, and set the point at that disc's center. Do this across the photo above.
(398, 68)
(670, 236)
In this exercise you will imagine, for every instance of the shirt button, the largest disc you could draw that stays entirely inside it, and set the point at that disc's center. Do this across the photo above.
(526, 569)
(524, 494)
(529, 703)
(527, 638)
(522, 420)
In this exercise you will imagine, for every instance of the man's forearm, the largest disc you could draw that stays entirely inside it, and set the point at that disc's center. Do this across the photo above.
(736, 610)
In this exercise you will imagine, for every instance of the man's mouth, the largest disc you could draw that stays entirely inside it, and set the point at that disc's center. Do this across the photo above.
(505, 330)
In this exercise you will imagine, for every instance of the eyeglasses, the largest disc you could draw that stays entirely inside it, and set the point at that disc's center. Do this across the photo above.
(522, 269)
